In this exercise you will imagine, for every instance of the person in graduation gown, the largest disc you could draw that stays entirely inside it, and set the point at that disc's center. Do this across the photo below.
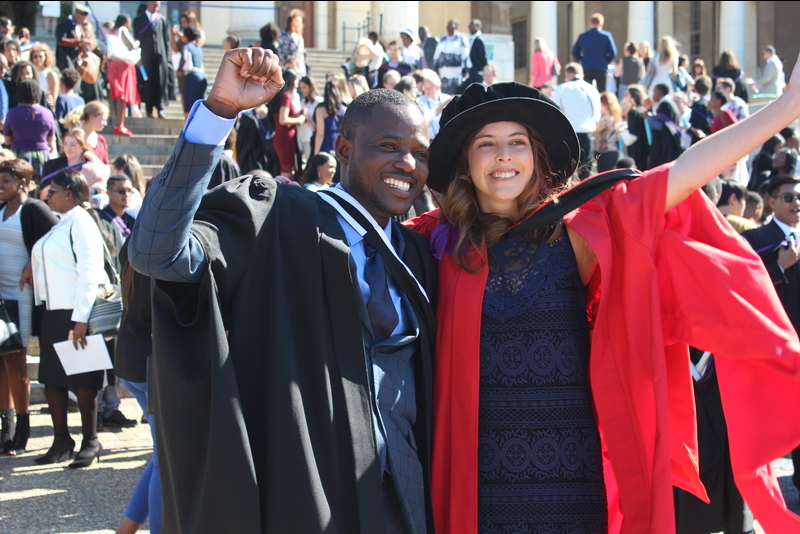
(501, 259)
(152, 31)
(285, 401)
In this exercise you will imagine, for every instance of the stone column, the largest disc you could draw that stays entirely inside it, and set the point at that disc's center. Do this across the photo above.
(544, 23)
(579, 23)
(321, 25)
(641, 17)
(665, 20)
(245, 20)
(398, 16)
(732, 29)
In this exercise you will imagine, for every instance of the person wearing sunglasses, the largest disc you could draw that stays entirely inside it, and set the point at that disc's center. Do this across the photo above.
(781, 239)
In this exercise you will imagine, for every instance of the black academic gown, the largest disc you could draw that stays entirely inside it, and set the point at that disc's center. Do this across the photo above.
(253, 149)
(156, 51)
(262, 393)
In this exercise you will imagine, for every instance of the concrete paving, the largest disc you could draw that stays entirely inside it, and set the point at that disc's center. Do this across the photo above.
(54, 499)
(38, 499)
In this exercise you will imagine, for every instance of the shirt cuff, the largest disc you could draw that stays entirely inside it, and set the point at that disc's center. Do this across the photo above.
(204, 128)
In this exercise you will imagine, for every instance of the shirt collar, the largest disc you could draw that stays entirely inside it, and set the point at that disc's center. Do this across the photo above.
(786, 228)
(353, 236)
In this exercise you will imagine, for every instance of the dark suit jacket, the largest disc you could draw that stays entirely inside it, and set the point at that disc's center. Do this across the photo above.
(787, 283)
(429, 49)
(477, 55)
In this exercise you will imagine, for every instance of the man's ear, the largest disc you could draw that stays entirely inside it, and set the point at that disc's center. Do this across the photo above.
(343, 148)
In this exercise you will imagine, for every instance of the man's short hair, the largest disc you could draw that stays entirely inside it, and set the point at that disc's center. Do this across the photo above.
(233, 40)
(713, 189)
(433, 76)
(476, 23)
(597, 19)
(702, 84)
(754, 199)
(625, 163)
(360, 109)
(391, 74)
(70, 78)
(731, 187)
(719, 95)
(779, 181)
(491, 67)
(662, 87)
(727, 83)
(574, 68)
(788, 132)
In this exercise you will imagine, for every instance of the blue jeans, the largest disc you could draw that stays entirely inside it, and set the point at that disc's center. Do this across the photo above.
(146, 498)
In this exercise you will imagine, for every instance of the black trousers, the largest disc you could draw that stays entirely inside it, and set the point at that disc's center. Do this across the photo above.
(599, 76)
(585, 142)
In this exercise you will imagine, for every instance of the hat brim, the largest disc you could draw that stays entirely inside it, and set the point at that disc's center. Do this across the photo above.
(559, 136)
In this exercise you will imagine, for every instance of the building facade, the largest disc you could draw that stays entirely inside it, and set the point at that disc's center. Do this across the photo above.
(703, 29)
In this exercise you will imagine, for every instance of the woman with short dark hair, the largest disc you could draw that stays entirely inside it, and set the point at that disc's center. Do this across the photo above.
(67, 269)
(30, 129)
(23, 221)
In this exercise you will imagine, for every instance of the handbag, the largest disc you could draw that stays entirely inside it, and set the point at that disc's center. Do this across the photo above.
(106, 314)
(89, 68)
(10, 336)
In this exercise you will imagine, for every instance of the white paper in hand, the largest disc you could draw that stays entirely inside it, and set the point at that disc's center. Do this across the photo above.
(92, 358)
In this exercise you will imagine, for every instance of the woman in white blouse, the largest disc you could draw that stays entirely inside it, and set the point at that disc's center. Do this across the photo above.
(67, 267)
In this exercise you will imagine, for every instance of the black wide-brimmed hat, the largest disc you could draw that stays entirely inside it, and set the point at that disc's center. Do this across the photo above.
(501, 102)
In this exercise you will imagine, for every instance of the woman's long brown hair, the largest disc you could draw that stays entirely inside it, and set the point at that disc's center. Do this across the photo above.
(477, 229)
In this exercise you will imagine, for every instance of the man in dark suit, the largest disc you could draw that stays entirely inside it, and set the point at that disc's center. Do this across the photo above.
(293, 429)
(69, 38)
(428, 44)
(477, 55)
(778, 244)
(152, 31)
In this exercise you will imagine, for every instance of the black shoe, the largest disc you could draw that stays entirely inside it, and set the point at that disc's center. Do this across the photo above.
(118, 419)
(90, 449)
(7, 430)
(144, 420)
(62, 444)
(100, 422)
(161, 115)
(22, 434)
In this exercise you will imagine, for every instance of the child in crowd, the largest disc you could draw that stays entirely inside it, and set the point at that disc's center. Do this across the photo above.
(67, 100)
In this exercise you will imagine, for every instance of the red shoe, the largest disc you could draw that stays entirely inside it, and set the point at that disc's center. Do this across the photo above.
(120, 131)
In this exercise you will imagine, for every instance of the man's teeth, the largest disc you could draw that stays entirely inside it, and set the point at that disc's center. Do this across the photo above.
(397, 184)
(502, 175)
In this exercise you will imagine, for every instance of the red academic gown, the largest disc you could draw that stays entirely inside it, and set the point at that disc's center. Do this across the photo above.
(667, 282)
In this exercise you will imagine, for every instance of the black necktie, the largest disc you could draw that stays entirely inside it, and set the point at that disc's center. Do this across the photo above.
(382, 313)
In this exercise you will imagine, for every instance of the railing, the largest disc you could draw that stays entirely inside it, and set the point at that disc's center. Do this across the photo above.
(362, 30)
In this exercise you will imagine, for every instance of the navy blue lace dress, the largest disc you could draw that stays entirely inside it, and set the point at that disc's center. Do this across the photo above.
(539, 459)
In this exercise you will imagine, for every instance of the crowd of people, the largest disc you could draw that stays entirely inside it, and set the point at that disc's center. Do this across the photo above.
(519, 270)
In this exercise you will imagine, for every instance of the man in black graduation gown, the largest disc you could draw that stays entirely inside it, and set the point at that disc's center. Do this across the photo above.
(152, 31)
(280, 405)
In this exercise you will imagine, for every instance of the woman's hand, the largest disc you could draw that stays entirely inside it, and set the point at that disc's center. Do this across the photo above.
(79, 335)
(27, 277)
